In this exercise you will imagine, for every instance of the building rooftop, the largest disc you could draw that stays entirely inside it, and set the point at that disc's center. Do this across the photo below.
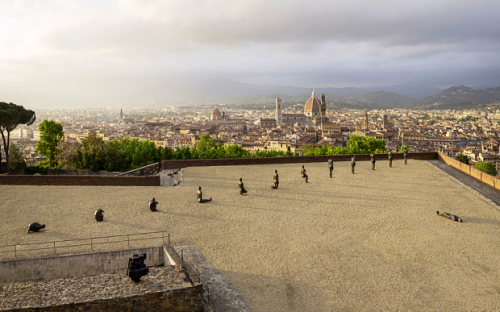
(368, 241)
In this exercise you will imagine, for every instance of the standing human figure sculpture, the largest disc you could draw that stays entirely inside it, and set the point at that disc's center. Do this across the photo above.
(276, 180)
(200, 196)
(242, 188)
(390, 158)
(372, 157)
(330, 166)
(304, 175)
(152, 204)
(405, 155)
(353, 163)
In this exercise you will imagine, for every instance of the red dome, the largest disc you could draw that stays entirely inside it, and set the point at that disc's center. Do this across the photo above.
(313, 104)
(215, 112)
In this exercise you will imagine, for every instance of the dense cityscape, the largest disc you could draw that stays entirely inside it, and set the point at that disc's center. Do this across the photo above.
(472, 132)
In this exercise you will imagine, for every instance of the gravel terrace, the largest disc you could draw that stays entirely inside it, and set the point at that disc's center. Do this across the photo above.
(368, 241)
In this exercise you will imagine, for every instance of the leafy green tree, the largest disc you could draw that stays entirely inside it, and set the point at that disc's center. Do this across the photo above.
(205, 144)
(51, 135)
(462, 158)
(403, 148)
(16, 156)
(365, 145)
(12, 115)
(486, 167)
(93, 152)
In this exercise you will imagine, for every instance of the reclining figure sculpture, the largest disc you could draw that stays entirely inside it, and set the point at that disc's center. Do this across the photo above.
(449, 216)
(35, 227)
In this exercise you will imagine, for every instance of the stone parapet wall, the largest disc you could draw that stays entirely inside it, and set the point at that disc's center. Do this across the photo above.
(143, 171)
(478, 174)
(183, 163)
(79, 180)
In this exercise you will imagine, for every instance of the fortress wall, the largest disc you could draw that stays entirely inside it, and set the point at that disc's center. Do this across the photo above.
(79, 180)
(478, 174)
(183, 163)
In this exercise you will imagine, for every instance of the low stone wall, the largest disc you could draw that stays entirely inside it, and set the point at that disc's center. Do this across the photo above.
(143, 171)
(478, 174)
(79, 180)
(65, 171)
(74, 265)
(183, 163)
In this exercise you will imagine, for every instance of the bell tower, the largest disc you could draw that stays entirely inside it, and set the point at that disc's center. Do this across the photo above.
(278, 114)
(365, 125)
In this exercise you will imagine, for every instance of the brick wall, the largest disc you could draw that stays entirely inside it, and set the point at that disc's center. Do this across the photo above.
(478, 174)
(79, 180)
(180, 300)
(183, 163)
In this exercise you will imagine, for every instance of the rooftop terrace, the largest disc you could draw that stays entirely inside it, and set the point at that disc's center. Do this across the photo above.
(368, 241)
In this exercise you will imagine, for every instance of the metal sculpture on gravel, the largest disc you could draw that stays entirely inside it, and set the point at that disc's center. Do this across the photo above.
(304, 175)
(449, 216)
(98, 215)
(35, 227)
(276, 180)
(330, 166)
(152, 204)
(372, 158)
(353, 163)
(200, 196)
(242, 188)
(136, 267)
(390, 158)
(405, 155)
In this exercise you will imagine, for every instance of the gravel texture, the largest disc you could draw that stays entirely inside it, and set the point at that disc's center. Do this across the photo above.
(82, 289)
(368, 241)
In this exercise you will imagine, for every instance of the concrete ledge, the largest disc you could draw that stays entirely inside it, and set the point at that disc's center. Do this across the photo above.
(183, 163)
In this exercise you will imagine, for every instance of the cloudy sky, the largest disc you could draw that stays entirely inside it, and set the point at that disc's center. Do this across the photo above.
(63, 49)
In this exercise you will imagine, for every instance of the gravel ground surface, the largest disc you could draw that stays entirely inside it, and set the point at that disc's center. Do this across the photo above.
(368, 241)
(76, 290)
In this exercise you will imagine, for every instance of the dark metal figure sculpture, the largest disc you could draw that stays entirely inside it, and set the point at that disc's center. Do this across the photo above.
(98, 215)
(242, 188)
(276, 179)
(390, 158)
(405, 155)
(353, 163)
(304, 175)
(35, 227)
(136, 267)
(449, 216)
(372, 157)
(152, 204)
(200, 196)
(330, 166)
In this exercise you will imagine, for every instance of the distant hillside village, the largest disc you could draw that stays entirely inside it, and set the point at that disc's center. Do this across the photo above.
(473, 132)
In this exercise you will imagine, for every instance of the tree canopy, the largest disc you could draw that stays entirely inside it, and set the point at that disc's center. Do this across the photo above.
(51, 135)
(462, 158)
(486, 167)
(11, 116)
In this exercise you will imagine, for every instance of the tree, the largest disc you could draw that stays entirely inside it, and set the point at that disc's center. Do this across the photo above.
(12, 115)
(365, 145)
(462, 158)
(16, 156)
(51, 135)
(403, 148)
(205, 144)
(486, 167)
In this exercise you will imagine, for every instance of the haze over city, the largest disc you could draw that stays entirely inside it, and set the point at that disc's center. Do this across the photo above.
(70, 54)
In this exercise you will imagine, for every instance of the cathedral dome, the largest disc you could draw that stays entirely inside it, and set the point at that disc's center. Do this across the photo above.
(313, 105)
(215, 112)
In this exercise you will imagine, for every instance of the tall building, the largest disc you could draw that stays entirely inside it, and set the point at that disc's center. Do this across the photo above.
(121, 113)
(279, 115)
(365, 124)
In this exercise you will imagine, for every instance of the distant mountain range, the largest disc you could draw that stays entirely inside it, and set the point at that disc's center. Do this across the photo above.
(459, 97)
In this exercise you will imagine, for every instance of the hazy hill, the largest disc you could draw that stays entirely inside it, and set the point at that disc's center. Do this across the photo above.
(459, 97)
